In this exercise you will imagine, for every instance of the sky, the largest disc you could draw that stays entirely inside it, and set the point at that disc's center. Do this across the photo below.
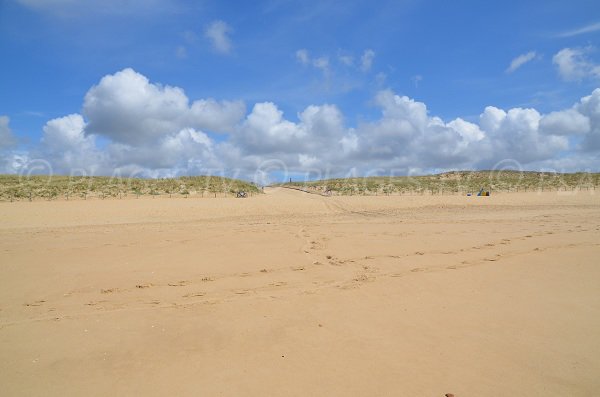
(309, 89)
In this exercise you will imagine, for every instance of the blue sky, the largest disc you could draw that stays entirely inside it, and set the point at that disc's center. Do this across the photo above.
(453, 57)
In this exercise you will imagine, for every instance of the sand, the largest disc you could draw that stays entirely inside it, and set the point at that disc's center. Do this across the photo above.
(293, 294)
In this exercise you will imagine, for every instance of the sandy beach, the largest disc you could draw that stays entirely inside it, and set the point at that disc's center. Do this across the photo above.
(295, 294)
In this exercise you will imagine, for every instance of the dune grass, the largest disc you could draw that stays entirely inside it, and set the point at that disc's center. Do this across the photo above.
(456, 182)
(16, 188)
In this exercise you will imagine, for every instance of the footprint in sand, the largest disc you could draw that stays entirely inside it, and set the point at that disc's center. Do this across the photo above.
(363, 278)
(182, 283)
(317, 245)
(194, 294)
(93, 303)
(36, 303)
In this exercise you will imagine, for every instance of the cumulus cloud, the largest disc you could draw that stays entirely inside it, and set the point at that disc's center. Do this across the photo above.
(405, 136)
(127, 108)
(574, 64)
(182, 150)
(67, 148)
(589, 106)
(565, 122)
(218, 33)
(366, 60)
(7, 139)
(520, 61)
(515, 134)
(130, 125)
(468, 131)
(266, 131)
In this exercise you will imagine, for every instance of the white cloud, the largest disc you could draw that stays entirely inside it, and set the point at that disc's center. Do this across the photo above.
(266, 131)
(175, 151)
(468, 131)
(66, 147)
(307, 161)
(302, 56)
(589, 106)
(565, 122)
(366, 60)
(417, 79)
(321, 63)
(520, 61)
(130, 125)
(574, 64)
(516, 134)
(585, 29)
(66, 133)
(218, 33)
(126, 107)
(346, 59)
(7, 139)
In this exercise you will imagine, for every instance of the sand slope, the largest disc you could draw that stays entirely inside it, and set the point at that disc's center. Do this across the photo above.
(296, 294)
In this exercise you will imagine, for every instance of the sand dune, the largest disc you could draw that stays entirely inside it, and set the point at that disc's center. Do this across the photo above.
(297, 294)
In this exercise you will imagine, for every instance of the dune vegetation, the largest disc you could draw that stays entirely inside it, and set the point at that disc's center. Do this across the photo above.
(35, 187)
(455, 182)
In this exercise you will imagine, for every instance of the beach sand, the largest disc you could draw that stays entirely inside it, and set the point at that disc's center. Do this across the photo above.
(294, 294)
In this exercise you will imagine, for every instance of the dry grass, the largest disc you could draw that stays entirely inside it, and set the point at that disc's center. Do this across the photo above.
(16, 188)
(456, 182)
